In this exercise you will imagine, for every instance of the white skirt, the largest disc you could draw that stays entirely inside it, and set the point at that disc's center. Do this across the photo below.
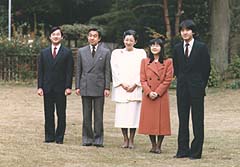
(127, 115)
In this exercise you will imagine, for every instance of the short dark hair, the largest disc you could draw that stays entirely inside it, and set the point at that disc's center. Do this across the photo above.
(95, 29)
(131, 32)
(161, 42)
(54, 29)
(188, 24)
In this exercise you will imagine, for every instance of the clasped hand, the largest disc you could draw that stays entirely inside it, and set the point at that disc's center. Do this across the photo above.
(128, 88)
(153, 95)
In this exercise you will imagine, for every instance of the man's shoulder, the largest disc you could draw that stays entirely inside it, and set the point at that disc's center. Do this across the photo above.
(46, 49)
(84, 48)
(103, 49)
(199, 43)
(179, 44)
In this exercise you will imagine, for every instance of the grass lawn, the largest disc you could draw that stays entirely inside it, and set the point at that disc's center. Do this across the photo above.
(22, 135)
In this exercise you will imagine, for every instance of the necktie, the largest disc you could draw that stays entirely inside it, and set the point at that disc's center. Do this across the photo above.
(93, 51)
(186, 49)
(54, 52)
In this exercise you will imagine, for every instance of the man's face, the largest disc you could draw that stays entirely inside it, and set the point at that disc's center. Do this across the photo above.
(93, 38)
(187, 34)
(56, 37)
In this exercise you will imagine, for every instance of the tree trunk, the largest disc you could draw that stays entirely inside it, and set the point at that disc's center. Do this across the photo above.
(166, 18)
(177, 17)
(220, 30)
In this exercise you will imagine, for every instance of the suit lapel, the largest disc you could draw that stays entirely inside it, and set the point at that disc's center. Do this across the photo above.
(93, 60)
(49, 55)
(193, 54)
(193, 50)
(89, 58)
(97, 54)
(181, 50)
(156, 68)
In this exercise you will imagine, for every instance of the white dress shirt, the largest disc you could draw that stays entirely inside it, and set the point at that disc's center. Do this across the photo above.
(58, 47)
(189, 46)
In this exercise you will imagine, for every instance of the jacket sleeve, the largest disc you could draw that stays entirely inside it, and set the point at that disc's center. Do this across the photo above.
(108, 70)
(143, 78)
(142, 55)
(69, 70)
(116, 78)
(175, 62)
(78, 70)
(163, 87)
(206, 64)
(40, 71)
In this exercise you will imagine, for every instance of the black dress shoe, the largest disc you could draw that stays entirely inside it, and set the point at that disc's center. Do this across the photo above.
(87, 144)
(59, 142)
(194, 158)
(180, 156)
(49, 141)
(99, 145)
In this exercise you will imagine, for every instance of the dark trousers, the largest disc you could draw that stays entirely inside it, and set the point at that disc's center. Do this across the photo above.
(54, 100)
(92, 105)
(185, 104)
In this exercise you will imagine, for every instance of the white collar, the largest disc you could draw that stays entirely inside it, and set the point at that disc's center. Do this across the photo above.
(91, 47)
(190, 43)
(57, 46)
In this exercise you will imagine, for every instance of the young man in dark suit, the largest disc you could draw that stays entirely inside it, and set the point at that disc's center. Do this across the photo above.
(192, 69)
(93, 76)
(55, 71)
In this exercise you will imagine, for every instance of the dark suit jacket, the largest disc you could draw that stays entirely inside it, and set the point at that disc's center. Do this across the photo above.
(192, 73)
(55, 74)
(93, 75)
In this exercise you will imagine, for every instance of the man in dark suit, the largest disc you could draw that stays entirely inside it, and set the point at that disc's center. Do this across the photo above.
(192, 69)
(93, 84)
(55, 70)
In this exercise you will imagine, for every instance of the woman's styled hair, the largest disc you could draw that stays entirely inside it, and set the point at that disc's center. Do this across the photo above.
(54, 29)
(188, 24)
(161, 42)
(131, 32)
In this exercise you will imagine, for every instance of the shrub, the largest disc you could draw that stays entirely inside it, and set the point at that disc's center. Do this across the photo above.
(18, 58)
(214, 78)
(233, 70)
(78, 32)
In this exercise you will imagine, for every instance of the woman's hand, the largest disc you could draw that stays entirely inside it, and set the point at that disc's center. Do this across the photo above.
(153, 95)
(132, 88)
(125, 86)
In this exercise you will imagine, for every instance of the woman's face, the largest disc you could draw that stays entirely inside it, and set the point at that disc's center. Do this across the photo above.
(155, 49)
(129, 41)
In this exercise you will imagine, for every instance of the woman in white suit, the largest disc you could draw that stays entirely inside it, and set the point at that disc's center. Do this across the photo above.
(127, 90)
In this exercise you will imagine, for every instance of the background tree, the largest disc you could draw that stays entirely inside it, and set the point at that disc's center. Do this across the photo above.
(220, 30)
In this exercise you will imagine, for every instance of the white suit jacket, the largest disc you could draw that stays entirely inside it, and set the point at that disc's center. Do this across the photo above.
(126, 69)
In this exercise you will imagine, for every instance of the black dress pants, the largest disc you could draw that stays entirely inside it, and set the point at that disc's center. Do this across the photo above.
(52, 101)
(185, 104)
